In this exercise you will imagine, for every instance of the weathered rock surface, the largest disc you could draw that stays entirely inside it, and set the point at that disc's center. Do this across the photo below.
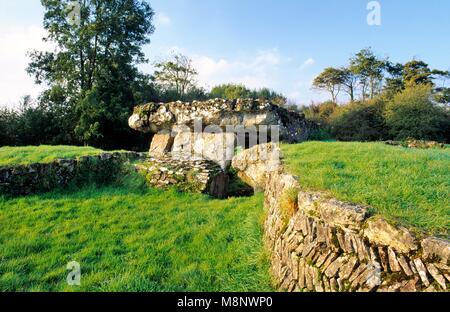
(333, 212)
(161, 144)
(218, 147)
(380, 231)
(255, 163)
(155, 117)
(435, 247)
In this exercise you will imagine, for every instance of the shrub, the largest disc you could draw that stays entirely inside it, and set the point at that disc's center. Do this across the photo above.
(320, 134)
(320, 113)
(412, 114)
(359, 122)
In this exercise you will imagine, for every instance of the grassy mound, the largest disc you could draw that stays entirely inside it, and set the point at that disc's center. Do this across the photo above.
(129, 238)
(10, 156)
(410, 186)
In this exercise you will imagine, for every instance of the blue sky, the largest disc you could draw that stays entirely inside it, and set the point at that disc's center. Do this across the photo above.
(279, 44)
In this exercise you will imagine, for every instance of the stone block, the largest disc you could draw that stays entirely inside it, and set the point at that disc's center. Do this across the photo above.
(161, 144)
(333, 212)
(435, 247)
(253, 164)
(379, 231)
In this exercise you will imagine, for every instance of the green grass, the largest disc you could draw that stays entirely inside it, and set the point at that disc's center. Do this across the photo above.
(409, 186)
(130, 238)
(42, 154)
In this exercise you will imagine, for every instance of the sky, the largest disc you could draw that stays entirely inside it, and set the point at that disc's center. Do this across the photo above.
(280, 44)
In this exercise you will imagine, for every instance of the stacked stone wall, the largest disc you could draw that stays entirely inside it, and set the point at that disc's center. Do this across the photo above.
(43, 177)
(321, 244)
(328, 245)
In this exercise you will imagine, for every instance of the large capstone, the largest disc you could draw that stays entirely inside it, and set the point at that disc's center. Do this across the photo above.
(153, 117)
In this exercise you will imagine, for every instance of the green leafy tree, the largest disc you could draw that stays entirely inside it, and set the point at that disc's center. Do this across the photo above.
(230, 92)
(8, 127)
(320, 113)
(331, 80)
(417, 72)
(370, 72)
(266, 94)
(349, 81)
(94, 65)
(176, 74)
(394, 82)
(443, 95)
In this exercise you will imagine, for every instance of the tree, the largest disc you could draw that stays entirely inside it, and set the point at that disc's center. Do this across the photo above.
(95, 62)
(8, 127)
(417, 72)
(320, 113)
(443, 95)
(331, 80)
(370, 72)
(230, 91)
(176, 74)
(349, 82)
(265, 94)
(394, 83)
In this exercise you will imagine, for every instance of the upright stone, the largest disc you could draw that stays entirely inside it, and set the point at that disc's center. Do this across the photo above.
(161, 144)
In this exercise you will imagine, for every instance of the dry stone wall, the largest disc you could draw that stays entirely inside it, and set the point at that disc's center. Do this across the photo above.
(328, 245)
(321, 244)
(195, 176)
(43, 177)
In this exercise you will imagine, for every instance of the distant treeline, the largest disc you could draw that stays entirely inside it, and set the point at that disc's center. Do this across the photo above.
(386, 101)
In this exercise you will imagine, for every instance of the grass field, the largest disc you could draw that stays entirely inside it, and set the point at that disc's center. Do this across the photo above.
(410, 186)
(42, 154)
(129, 238)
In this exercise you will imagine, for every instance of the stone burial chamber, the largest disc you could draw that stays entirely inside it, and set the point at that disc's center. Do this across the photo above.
(214, 130)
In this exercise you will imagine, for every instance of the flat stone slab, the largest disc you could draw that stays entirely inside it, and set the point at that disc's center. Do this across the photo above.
(332, 211)
(381, 232)
(156, 117)
(161, 144)
(435, 247)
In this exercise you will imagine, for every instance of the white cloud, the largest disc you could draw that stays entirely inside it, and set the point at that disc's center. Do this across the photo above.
(256, 71)
(16, 42)
(162, 19)
(263, 68)
(307, 63)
